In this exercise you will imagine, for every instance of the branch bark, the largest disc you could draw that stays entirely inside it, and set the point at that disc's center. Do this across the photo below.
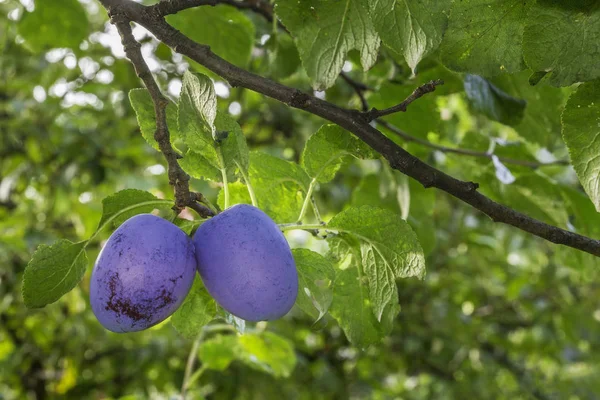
(177, 176)
(352, 121)
(416, 94)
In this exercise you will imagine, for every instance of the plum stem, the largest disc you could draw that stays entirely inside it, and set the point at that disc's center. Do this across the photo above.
(307, 199)
(224, 175)
(248, 185)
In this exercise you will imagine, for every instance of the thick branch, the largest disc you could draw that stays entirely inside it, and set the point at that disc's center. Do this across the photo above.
(167, 7)
(398, 158)
(177, 176)
(418, 93)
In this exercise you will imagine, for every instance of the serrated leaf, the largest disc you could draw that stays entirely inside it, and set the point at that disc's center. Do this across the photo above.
(228, 32)
(535, 196)
(581, 133)
(541, 120)
(234, 148)
(405, 197)
(326, 149)
(197, 111)
(489, 100)
(126, 203)
(218, 352)
(278, 185)
(571, 56)
(412, 28)
(42, 32)
(53, 271)
(142, 104)
(484, 36)
(267, 352)
(283, 56)
(197, 310)
(316, 276)
(268, 167)
(389, 249)
(217, 144)
(325, 31)
(351, 305)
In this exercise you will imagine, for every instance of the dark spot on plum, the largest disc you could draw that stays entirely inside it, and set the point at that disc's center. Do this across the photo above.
(122, 306)
(166, 298)
(120, 253)
(118, 238)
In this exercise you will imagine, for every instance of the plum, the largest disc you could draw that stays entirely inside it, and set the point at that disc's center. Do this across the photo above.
(246, 264)
(142, 274)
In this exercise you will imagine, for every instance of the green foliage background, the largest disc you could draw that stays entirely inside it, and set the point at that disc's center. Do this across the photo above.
(499, 314)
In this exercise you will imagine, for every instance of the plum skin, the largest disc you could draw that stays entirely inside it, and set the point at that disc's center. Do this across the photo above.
(246, 264)
(142, 274)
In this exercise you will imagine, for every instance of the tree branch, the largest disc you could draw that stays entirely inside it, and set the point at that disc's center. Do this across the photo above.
(177, 176)
(418, 93)
(352, 121)
(360, 90)
(167, 7)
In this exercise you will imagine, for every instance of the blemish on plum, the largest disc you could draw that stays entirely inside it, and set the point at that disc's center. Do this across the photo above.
(120, 306)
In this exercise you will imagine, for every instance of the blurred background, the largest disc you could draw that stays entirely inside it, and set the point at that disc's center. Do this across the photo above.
(499, 315)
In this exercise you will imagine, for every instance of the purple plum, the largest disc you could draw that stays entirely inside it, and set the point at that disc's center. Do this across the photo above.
(142, 274)
(246, 264)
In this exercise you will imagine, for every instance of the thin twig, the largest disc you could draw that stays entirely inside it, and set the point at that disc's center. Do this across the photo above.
(360, 89)
(177, 176)
(168, 7)
(418, 93)
(191, 360)
(397, 157)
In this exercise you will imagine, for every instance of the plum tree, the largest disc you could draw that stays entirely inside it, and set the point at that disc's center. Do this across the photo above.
(246, 264)
(142, 274)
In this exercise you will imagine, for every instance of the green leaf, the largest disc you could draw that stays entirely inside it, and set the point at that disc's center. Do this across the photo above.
(351, 305)
(216, 141)
(403, 196)
(126, 203)
(197, 111)
(412, 28)
(53, 271)
(218, 352)
(581, 133)
(267, 167)
(228, 32)
(233, 147)
(389, 249)
(484, 36)
(562, 38)
(54, 24)
(197, 310)
(283, 56)
(541, 120)
(142, 104)
(535, 196)
(267, 352)
(325, 31)
(278, 185)
(326, 149)
(316, 276)
(487, 99)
